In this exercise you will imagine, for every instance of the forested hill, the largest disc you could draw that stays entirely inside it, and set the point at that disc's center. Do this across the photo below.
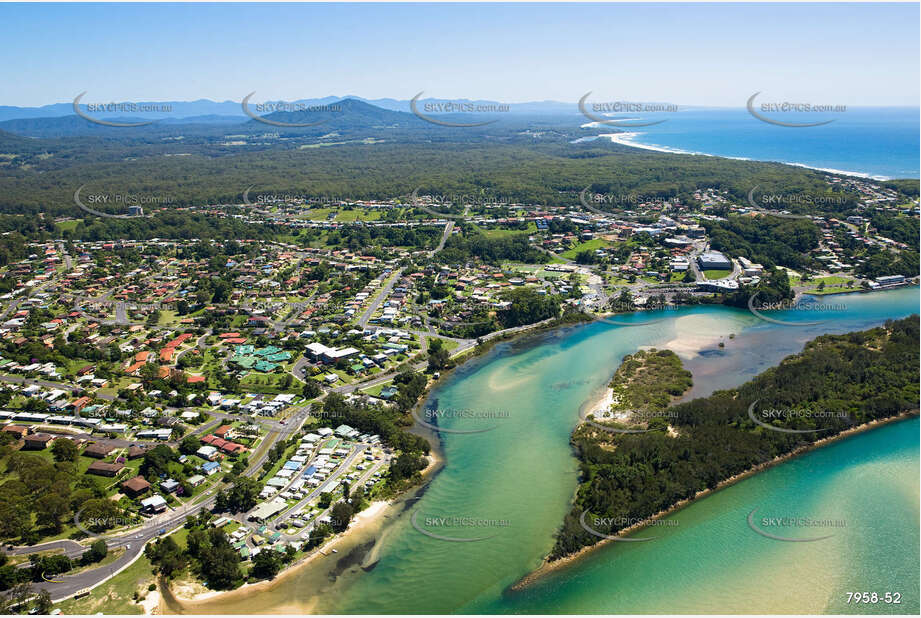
(836, 383)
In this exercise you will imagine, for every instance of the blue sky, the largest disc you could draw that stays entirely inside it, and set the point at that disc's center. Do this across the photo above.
(706, 54)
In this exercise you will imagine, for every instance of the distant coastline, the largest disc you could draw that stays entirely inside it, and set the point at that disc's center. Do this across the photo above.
(629, 139)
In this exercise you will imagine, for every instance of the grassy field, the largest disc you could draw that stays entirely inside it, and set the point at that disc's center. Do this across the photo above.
(116, 595)
(343, 215)
(834, 284)
(591, 245)
(502, 232)
(68, 226)
(717, 274)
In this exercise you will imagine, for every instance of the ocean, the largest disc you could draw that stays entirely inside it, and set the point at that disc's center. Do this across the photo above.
(880, 143)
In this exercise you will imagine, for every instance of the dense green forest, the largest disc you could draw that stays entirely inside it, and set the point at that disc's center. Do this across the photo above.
(835, 383)
(549, 172)
(459, 249)
(769, 241)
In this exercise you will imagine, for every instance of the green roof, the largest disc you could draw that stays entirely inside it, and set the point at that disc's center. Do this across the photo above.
(264, 366)
(244, 361)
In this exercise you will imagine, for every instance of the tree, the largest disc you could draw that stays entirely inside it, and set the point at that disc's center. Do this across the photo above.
(220, 563)
(15, 518)
(166, 556)
(439, 357)
(97, 551)
(341, 515)
(311, 389)
(50, 509)
(189, 445)
(43, 603)
(266, 564)
(243, 495)
(157, 460)
(99, 514)
(64, 449)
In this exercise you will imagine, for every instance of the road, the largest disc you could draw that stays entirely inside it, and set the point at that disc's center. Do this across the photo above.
(361, 480)
(381, 295)
(315, 493)
(46, 383)
(449, 227)
(121, 314)
(13, 306)
(66, 586)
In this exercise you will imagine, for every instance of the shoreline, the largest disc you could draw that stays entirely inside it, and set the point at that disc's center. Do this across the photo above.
(627, 139)
(179, 591)
(437, 461)
(547, 567)
(375, 513)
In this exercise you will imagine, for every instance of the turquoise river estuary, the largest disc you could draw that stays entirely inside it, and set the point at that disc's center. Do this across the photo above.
(511, 486)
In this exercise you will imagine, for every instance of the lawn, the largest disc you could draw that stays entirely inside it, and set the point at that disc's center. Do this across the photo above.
(116, 595)
(717, 274)
(505, 232)
(375, 391)
(590, 245)
(68, 226)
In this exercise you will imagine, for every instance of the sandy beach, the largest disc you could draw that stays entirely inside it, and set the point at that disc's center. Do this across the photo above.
(190, 594)
(599, 405)
(192, 597)
(548, 567)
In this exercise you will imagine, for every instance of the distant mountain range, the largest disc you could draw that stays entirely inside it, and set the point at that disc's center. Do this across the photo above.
(205, 110)
(339, 119)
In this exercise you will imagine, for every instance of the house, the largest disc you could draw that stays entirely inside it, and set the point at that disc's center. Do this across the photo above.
(153, 504)
(100, 468)
(38, 441)
(224, 431)
(267, 509)
(207, 452)
(210, 467)
(99, 450)
(136, 486)
(134, 451)
(169, 485)
(195, 480)
(17, 430)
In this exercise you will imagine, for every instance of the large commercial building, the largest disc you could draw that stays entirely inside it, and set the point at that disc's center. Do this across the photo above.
(714, 260)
